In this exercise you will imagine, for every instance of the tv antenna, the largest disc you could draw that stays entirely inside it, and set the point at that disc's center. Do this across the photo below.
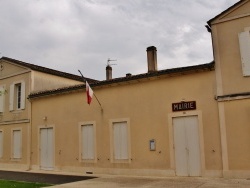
(109, 60)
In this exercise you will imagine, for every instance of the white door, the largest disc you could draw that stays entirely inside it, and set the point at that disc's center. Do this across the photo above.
(187, 147)
(46, 149)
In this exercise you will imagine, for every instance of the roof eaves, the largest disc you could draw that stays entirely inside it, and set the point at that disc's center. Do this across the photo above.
(209, 22)
(48, 70)
(181, 70)
(56, 91)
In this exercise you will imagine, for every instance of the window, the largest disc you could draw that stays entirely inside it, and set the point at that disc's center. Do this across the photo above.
(120, 141)
(2, 94)
(87, 142)
(1, 144)
(244, 42)
(17, 96)
(16, 144)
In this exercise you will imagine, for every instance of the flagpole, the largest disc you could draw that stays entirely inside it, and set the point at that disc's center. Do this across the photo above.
(93, 92)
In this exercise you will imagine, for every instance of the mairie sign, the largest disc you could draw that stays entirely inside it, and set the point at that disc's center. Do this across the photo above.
(181, 106)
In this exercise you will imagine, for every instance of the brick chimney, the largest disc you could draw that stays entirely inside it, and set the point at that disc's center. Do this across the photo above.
(108, 72)
(152, 59)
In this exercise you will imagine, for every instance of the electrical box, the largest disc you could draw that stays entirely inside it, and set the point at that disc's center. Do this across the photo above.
(152, 146)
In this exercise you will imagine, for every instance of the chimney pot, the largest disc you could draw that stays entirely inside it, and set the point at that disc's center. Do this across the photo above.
(152, 58)
(108, 72)
(128, 75)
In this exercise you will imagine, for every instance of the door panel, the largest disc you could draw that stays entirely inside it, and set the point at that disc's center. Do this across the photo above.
(186, 145)
(191, 125)
(180, 148)
(46, 149)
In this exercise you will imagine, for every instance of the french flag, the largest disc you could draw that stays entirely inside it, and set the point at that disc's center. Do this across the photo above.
(89, 92)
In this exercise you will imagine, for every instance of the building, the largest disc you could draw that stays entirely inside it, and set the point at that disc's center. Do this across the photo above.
(132, 131)
(189, 121)
(18, 80)
(231, 45)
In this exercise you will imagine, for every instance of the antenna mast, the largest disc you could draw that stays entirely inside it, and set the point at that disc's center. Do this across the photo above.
(109, 60)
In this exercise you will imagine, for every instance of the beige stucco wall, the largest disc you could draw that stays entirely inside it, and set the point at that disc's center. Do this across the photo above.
(34, 81)
(239, 10)
(238, 139)
(20, 119)
(146, 104)
(227, 54)
(16, 114)
(234, 113)
(7, 161)
(9, 69)
(42, 81)
(16, 119)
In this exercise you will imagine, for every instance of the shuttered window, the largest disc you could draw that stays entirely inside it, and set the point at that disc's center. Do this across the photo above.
(2, 94)
(120, 138)
(88, 142)
(244, 42)
(17, 96)
(17, 144)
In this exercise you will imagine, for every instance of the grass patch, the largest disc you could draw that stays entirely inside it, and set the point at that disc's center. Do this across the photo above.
(21, 184)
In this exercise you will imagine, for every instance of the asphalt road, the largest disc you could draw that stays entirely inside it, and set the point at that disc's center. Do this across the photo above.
(41, 178)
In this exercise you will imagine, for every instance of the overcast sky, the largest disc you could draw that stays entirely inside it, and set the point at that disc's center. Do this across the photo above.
(68, 35)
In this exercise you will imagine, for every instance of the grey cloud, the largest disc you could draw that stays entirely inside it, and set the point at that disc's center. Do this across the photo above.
(76, 34)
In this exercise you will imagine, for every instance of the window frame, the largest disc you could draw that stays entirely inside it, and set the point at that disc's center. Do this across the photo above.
(17, 98)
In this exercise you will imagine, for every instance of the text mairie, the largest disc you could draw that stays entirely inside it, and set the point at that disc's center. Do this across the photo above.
(181, 106)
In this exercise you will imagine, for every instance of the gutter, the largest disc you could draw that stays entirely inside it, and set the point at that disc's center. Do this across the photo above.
(235, 96)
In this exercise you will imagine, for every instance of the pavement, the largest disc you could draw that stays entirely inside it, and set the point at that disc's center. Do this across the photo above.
(75, 180)
(155, 182)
